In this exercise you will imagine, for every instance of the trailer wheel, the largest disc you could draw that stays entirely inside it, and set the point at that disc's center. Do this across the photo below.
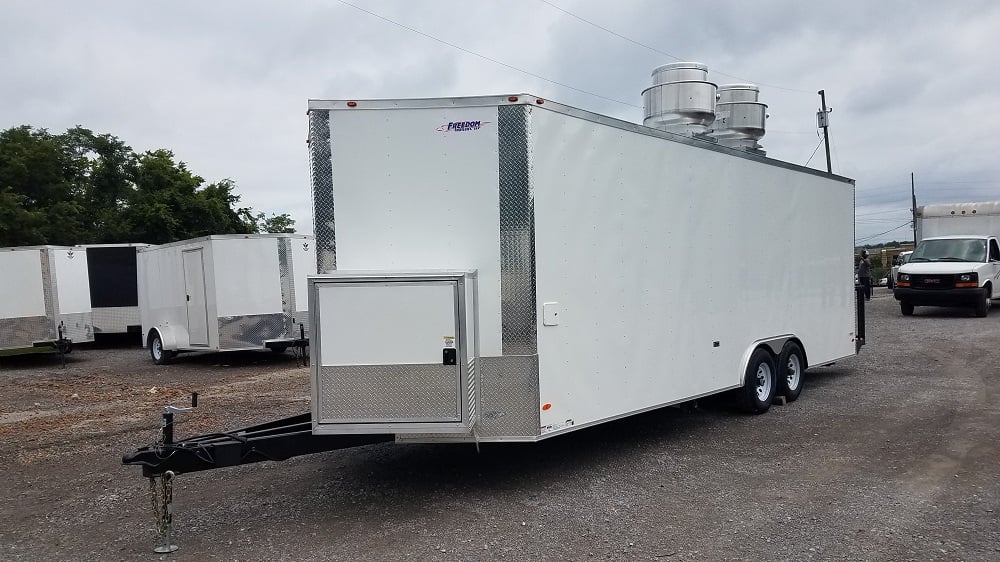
(983, 305)
(159, 355)
(791, 371)
(759, 383)
(906, 308)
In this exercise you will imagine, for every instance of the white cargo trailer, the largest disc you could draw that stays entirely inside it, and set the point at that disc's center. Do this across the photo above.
(507, 268)
(225, 293)
(44, 298)
(114, 292)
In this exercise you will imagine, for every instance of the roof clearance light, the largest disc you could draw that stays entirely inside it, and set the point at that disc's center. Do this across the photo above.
(512, 99)
(352, 104)
(539, 101)
(546, 406)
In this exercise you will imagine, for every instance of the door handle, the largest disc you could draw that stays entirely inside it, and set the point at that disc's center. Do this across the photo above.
(189, 298)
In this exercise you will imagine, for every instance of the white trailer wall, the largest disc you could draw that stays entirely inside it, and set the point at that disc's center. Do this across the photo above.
(655, 250)
(428, 201)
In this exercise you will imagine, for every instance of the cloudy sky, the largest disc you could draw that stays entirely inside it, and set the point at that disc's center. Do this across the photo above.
(914, 85)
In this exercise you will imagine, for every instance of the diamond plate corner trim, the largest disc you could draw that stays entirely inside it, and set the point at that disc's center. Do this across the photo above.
(509, 396)
(285, 276)
(517, 233)
(472, 390)
(49, 294)
(321, 176)
(389, 393)
(241, 332)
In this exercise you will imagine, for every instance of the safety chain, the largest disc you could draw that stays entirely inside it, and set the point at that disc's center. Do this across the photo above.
(161, 500)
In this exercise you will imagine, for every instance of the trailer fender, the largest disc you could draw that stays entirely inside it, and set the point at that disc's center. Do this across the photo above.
(167, 336)
(773, 344)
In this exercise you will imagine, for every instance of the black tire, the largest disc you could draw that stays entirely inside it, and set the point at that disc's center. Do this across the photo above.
(759, 383)
(159, 355)
(983, 305)
(906, 308)
(791, 371)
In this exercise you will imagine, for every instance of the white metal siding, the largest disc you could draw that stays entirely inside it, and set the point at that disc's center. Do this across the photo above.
(71, 280)
(246, 275)
(409, 196)
(655, 250)
(386, 323)
(161, 291)
(303, 265)
(21, 291)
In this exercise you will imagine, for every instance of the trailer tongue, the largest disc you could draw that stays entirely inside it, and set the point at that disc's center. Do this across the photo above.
(272, 441)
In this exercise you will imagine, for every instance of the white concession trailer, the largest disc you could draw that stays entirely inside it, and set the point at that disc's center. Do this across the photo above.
(506, 268)
(44, 298)
(225, 293)
(114, 292)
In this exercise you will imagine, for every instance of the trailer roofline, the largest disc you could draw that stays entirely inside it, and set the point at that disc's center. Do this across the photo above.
(225, 237)
(543, 103)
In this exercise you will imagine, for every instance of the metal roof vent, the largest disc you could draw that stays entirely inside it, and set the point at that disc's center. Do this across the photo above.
(680, 100)
(739, 117)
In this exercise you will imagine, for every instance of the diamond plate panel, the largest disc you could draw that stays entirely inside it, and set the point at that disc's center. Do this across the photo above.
(285, 277)
(389, 393)
(115, 319)
(517, 234)
(471, 371)
(78, 327)
(49, 294)
(241, 332)
(321, 176)
(509, 396)
(16, 333)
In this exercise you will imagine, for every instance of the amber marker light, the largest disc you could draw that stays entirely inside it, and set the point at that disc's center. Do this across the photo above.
(512, 99)
(352, 104)
(964, 285)
(546, 406)
(539, 101)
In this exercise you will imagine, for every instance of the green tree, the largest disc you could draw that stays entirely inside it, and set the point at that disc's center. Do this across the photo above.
(80, 187)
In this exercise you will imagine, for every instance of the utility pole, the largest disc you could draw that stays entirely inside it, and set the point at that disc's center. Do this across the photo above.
(823, 120)
(913, 197)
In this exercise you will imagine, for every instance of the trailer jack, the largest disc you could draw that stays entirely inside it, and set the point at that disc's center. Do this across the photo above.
(272, 441)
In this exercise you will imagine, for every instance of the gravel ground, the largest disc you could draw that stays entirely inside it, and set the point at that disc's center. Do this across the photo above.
(887, 456)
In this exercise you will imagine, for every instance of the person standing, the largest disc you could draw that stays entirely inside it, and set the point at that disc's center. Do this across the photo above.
(865, 275)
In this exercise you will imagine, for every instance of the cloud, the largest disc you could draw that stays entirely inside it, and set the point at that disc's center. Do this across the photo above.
(224, 84)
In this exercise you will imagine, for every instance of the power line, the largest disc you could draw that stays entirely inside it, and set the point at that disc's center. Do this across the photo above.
(865, 239)
(484, 57)
(814, 152)
(655, 50)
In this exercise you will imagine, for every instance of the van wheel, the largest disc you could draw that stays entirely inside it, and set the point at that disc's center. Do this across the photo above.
(159, 355)
(983, 306)
(906, 308)
(791, 371)
(759, 383)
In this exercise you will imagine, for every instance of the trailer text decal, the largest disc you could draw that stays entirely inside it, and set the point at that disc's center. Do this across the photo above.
(460, 126)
